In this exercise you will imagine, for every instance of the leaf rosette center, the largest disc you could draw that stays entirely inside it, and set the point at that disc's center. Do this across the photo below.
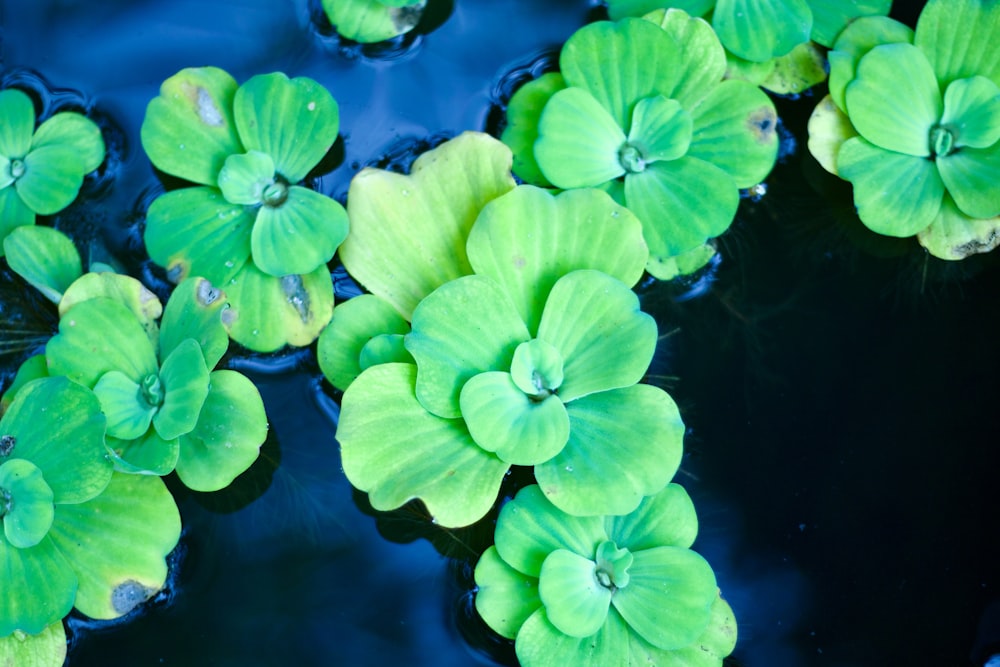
(537, 369)
(612, 564)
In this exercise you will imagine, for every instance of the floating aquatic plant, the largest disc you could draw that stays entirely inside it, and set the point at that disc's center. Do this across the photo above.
(41, 169)
(373, 20)
(653, 124)
(597, 591)
(249, 227)
(913, 122)
(75, 534)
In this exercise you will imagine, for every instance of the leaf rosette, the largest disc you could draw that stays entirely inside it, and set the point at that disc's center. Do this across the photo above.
(606, 590)
(369, 21)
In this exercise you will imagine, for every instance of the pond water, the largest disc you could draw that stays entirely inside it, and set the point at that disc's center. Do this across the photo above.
(841, 451)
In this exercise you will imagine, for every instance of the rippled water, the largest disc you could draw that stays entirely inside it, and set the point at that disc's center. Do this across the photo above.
(839, 388)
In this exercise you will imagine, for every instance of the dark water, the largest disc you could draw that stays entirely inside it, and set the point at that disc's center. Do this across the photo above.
(840, 389)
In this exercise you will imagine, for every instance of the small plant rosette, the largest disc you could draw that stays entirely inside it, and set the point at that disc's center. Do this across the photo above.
(41, 168)
(654, 125)
(368, 21)
(250, 226)
(913, 122)
(596, 591)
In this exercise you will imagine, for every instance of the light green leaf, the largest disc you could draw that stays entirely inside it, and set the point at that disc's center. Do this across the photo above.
(537, 368)
(118, 543)
(369, 21)
(52, 178)
(503, 419)
(185, 383)
(385, 349)
(594, 321)
(395, 450)
(798, 70)
(196, 232)
(465, 327)
(231, 428)
(578, 141)
(45, 257)
(681, 204)
(17, 123)
(666, 519)
(971, 176)
(959, 38)
(683, 264)
(896, 194)
(39, 587)
(45, 649)
(122, 403)
(661, 129)
(294, 121)
(575, 603)
(856, 40)
(353, 325)
(900, 122)
(669, 598)
(972, 112)
(830, 17)
(195, 310)
(704, 62)
(621, 63)
(188, 130)
(530, 527)
(735, 128)
(75, 131)
(954, 235)
(269, 313)
(408, 233)
(828, 129)
(523, 113)
(539, 643)
(27, 503)
(759, 30)
(298, 235)
(619, 9)
(623, 444)
(245, 176)
(126, 290)
(149, 454)
(14, 213)
(505, 598)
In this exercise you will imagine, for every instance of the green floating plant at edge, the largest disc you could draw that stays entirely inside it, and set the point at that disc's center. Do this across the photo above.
(373, 20)
(598, 591)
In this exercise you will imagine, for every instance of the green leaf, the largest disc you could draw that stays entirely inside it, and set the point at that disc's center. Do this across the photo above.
(900, 122)
(704, 63)
(385, 349)
(465, 327)
(959, 37)
(537, 368)
(195, 310)
(759, 30)
(369, 21)
(58, 426)
(669, 598)
(856, 41)
(298, 235)
(129, 415)
(14, 213)
(505, 598)
(33, 368)
(125, 290)
(954, 235)
(45, 649)
(185, 382)
(594, 321)
(97, 336)
(353, 325)
(118, 543)
(972, 111)
(45, 257)
(530, 527)
(523, 113)
(26, 502)
(665, 519)
(226, 441)
(798, 70)
(503, 419)
(188, 130)
(619, 9)
(830, 17)
(527, 239)
(971, 176)
(269, 313)
(245, 176)
(681, 204)
(17, 123)
(578, 141)
(196, 232)
(735, 128)
(52, 178)
(294, 121)
(539, 642)
(828, 129)
(661, 129)
(395, 450)
(39, 587)
(75, 131)
(408, 233)
(623, 444)
(683, 264)
(896, 194)
(575, 603)
(149, 454)
(622, 63)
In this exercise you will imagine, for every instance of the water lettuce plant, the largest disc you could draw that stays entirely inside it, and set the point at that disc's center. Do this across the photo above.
(641, 110)
(596, 591)
(41, 169)
(913, 122)
(75, 533)
(249, 226)
(373, 20)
